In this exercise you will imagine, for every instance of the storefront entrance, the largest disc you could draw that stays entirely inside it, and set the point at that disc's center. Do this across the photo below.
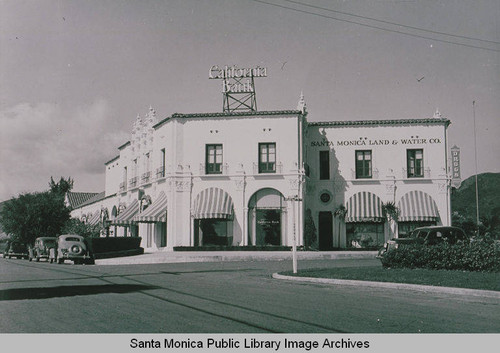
(268, 227)
(325, 230)
(265, 217)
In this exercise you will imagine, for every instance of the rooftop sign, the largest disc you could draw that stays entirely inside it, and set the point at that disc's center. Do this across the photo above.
(238, 87)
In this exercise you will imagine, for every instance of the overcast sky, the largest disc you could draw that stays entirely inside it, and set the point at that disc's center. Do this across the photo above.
(75, 74)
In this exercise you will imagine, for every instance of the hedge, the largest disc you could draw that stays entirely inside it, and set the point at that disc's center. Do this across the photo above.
(114, 244)
(479, 255)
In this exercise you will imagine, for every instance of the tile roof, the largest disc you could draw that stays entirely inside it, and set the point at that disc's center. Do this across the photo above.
(382, 122)
(76, 199)
(95, 198)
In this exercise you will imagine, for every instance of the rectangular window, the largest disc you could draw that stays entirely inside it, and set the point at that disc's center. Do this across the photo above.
(267, 158)
(213, 160)
(363, 164)
(324, 165)
(160, 172)
(415, 163)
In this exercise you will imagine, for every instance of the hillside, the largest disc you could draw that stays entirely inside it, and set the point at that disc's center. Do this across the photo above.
(463, 199)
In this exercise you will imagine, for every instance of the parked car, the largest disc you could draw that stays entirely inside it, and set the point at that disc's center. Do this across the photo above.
(431, 235)
(42, 247)
(73, 247)
(15, 249)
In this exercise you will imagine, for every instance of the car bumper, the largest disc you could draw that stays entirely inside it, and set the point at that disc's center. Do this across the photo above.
(75, 257)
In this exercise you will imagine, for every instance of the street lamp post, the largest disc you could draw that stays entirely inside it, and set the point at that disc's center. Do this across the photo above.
(294, 244)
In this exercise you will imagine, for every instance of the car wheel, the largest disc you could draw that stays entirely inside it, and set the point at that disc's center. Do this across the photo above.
(60, 261)
(37, 259)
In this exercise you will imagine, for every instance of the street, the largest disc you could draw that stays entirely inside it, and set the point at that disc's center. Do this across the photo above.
(222, 297)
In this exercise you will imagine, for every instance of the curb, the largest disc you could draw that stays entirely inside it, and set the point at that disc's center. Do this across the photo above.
(391, 285)
(219, 256)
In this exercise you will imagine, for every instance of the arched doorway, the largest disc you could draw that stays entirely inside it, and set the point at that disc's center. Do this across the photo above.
(265, 217)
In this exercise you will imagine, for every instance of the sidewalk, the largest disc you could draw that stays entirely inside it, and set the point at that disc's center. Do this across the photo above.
(217, 256)
(390, 285)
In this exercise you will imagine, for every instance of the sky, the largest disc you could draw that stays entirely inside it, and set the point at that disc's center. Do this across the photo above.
(74, 75)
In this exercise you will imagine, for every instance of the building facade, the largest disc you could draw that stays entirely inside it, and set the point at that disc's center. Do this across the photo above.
(358, 170)
(257, 178)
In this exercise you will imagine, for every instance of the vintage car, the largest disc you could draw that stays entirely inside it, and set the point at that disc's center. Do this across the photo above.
(73, 247)
(15, 249)
(431, 235)
(42, 247)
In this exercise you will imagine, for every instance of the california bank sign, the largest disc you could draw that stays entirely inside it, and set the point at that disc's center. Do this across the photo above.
(236, 79)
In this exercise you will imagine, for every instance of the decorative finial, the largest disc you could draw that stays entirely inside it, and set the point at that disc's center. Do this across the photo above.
(437, 114)
(302, 103)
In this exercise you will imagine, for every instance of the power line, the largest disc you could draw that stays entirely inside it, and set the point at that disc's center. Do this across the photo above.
(376, 27)
(393, 23)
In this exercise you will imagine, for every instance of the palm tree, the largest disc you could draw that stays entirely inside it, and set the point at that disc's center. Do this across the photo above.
(340, 213)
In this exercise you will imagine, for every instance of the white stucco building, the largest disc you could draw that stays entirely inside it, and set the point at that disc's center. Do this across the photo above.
(255, 178)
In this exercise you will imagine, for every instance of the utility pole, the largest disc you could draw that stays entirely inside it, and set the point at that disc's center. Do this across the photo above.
(475, 160)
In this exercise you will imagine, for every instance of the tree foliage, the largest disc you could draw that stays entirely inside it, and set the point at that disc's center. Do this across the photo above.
(33, 215)
(62, 187)
(75, 226)
(310, 238)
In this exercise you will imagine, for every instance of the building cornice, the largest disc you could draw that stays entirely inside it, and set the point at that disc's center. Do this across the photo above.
(112, 160)
(436, 121)
(124, 145)
(227, 115)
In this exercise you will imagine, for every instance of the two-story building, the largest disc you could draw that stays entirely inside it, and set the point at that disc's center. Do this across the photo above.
(357, 169)
(254, 179)
(208, 179)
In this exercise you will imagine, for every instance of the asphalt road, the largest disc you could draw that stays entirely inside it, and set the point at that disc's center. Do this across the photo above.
(228, 297)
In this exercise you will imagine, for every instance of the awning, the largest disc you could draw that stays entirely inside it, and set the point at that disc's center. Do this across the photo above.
(213, 203)
(126, 217)
(364, 207)
(94, 219)
(417, 206)
(156, 212)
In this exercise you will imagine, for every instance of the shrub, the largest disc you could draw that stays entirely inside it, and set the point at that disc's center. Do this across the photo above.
(480, 255)
(104, 245)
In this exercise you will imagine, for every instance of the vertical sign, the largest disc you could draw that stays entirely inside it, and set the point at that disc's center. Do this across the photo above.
(456, 179)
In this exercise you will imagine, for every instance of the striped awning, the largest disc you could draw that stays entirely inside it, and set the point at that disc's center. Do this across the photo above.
(417, 206)
(94, 219)
(126, 217)
(213, 203)
(364, 207)
(156, 212)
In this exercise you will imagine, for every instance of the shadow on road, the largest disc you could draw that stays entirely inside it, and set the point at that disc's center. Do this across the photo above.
(207, 271)
(69, 291)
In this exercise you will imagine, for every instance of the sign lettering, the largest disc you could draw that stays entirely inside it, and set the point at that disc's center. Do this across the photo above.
(364, 141)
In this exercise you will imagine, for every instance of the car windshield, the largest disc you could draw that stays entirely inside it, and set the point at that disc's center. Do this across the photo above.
(72, 239)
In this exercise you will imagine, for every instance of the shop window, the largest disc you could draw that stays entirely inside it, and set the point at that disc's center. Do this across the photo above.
(213, 231)
(363, 164)
(415, 163)
(365, 235)
(324, 165)
(267, 158)
(213, 161)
